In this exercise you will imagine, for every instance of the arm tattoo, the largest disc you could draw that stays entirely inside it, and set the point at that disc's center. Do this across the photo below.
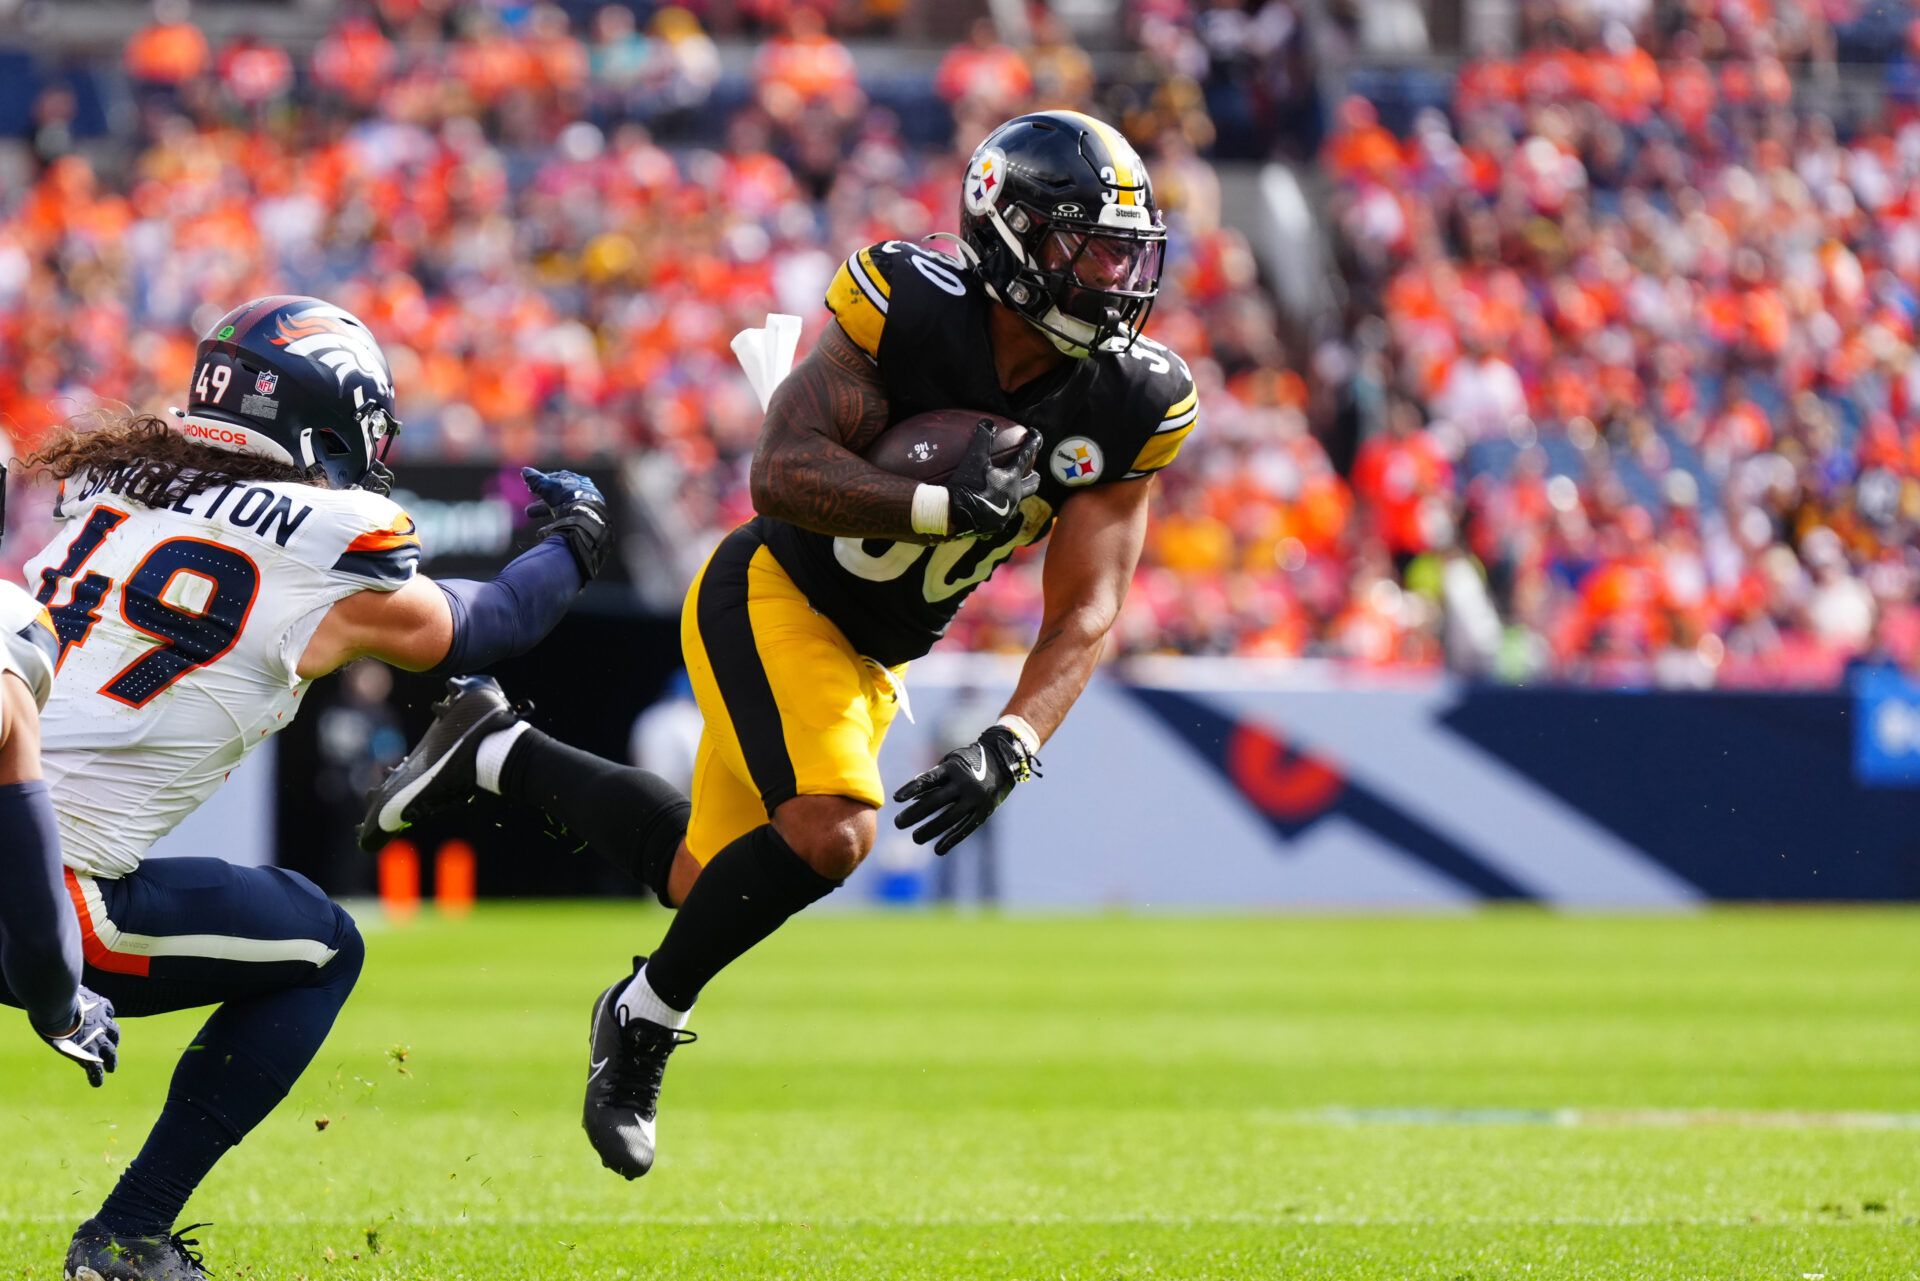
(807, 468)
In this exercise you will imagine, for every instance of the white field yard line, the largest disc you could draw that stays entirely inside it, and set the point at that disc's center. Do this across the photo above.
(1620, 1118)
(402, 1220)
(1614, 1118)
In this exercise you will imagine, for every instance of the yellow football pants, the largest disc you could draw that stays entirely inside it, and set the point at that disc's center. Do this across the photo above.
(790, 708)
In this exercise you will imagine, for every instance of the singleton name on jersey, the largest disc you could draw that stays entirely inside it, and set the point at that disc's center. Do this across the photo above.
(256, 509)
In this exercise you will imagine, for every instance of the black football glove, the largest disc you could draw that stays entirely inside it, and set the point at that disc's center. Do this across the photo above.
(94, 1043)
(957, 795)
(575, 509)
(984, 500)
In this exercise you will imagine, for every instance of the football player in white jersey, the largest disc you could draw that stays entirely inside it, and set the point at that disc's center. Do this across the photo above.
(39, 939)
(214, 563)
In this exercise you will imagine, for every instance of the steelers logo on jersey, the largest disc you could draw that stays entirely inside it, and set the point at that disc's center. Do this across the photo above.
(1076, 461)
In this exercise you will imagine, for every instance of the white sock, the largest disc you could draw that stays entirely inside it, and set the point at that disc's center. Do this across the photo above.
(640, 1001)
(492, 756)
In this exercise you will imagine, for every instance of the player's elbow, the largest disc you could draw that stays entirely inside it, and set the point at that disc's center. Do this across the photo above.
(760, 488)
(763, 485)
(19, 732)
(1086, 624)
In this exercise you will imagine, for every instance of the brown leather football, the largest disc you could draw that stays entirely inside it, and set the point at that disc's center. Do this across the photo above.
(927, 447)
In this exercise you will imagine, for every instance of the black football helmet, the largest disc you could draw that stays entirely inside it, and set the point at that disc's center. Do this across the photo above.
(300, 380)
(1058, 217)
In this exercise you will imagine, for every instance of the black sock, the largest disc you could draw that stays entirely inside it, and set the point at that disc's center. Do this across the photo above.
(631, 818)
(742, 896)
(181, 1149)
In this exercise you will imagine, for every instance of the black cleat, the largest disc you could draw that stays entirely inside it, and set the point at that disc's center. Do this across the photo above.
(625, 1064)
(438, 773)
(99, 1255)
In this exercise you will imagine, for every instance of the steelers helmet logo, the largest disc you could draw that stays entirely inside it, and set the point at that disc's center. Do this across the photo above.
(1075, 461)
(985, 177)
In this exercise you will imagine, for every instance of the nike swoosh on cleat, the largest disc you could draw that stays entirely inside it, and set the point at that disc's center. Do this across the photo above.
(597, 1065)
(392, 814)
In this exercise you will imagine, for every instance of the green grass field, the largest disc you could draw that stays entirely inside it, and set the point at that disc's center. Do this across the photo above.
(1735, 1095)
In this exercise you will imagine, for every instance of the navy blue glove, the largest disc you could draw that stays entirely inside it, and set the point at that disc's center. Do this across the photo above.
(94, 1042)
(576, 510)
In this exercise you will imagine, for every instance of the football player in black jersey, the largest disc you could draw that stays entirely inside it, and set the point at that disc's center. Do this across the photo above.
(798, 630)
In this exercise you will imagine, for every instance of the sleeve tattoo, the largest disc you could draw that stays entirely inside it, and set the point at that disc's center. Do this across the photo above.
(807, 467)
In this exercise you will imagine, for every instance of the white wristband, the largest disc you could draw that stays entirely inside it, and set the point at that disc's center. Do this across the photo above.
(1018, 727)
(930, 510)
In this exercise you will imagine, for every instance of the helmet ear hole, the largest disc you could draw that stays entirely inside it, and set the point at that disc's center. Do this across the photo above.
(333, 443)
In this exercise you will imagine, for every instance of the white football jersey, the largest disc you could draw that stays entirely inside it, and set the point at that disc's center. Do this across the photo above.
(180, 629)
(27, 642)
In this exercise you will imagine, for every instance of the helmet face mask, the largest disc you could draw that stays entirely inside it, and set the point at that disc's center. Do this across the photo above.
(299, 380)
(1100, 276)
(1058, 217)
(378, 428)
(379, 477)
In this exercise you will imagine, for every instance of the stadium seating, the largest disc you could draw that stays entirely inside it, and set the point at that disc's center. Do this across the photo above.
(1665, 461)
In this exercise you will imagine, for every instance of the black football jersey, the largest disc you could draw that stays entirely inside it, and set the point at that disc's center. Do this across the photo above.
(1110, 418)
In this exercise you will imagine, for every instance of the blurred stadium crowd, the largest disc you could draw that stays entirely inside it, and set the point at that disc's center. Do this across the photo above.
(1623, 390)
(1637, 338)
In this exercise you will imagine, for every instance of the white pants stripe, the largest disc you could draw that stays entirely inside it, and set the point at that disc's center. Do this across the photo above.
(217, 947)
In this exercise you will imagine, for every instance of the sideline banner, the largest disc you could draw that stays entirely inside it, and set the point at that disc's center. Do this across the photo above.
(1201, 783)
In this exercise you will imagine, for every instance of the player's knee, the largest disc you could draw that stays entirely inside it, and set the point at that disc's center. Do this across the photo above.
(686, 870)
(342, 970)
(832, 834)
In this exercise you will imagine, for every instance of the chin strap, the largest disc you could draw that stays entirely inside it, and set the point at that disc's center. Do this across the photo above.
(1054, 323)
(966, 250)
(378, 480)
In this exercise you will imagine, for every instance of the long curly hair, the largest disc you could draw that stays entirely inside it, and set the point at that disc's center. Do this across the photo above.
(158, 465)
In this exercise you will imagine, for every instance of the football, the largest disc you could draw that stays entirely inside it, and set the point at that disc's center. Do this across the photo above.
(927, 447)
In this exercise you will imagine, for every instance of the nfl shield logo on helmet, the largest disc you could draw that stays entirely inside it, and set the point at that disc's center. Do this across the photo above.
(985, 177)
(1075, 461)
(266, 383)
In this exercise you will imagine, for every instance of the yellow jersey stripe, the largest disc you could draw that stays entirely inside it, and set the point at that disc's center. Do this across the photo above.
(871, 275)
(1119, 154)
(1161, 449)
(856, 310)
(1183, 404)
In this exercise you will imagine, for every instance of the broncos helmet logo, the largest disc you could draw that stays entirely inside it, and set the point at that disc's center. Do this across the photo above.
(332, 337)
